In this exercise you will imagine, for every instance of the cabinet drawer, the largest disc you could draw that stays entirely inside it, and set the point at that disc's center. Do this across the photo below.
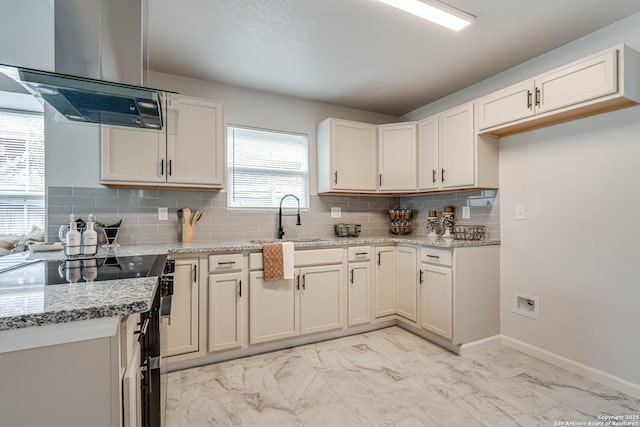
(225, 263)
(317, 257)
(359, 253)
(436, 256)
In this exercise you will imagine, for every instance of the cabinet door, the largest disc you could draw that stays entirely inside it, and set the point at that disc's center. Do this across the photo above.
(195, 141)
(181, 331)
(131, 155)
(359, 296)
(354, 156)
(437, 300)
(507, 105)
(225, 294)
(428, 137)
(273, 309)
(407, 283)
(457, 147)
(397, 157)
(321, 298)
(591, 78)
(385, 282)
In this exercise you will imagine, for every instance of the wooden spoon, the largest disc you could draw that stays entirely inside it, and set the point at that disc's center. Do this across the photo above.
(186, 216)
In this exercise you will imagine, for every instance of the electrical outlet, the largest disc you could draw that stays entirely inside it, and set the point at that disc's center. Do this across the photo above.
(466, 212)
(520, 211)
(163, 214)
(336, 213)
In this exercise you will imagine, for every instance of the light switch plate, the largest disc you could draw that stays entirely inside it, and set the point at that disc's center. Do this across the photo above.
(163, 214)
(336, 213)
(466, 212)
(520, 211)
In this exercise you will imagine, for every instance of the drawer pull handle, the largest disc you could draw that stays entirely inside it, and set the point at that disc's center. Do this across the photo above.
(421, 278)
(362, 253)
(240, 288)
(433, 256)
(352, 275)
(304, 281)
(226, 263)
(529, 104)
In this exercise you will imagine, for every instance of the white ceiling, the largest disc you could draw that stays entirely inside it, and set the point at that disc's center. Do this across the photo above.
(361, 53)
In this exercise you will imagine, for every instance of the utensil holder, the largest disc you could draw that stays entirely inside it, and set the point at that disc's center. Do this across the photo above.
(187, 233)
(111, 234)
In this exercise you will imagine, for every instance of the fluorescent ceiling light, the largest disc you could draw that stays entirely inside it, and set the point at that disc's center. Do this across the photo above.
(451, 18)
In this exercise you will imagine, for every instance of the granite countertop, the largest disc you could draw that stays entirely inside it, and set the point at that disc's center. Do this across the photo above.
(26, 301)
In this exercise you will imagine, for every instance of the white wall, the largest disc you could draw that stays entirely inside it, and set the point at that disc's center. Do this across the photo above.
(269, 111)
(578, 248)
(26, 33)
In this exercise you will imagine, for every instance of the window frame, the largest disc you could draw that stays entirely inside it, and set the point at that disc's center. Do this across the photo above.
(28, 195)
(304, 201)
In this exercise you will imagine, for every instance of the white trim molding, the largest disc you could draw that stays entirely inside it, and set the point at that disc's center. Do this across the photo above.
(594, 374)
(480, 345)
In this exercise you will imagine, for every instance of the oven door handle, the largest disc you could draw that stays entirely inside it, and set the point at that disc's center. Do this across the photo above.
(165, 308)
(142, 333)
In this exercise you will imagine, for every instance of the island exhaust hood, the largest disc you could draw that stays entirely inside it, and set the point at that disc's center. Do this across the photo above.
(100, 65)
(95, 101)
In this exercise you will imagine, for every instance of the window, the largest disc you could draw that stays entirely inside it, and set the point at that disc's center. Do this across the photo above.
(263, 166)
(21, 172)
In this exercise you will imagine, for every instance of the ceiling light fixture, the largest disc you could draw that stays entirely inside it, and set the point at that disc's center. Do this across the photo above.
(437, 12)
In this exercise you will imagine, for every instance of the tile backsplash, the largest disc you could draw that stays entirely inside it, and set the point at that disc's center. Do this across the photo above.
(483, 206)
(139, 211)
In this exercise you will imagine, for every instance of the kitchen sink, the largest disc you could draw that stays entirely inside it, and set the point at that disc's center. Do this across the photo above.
(302, 240)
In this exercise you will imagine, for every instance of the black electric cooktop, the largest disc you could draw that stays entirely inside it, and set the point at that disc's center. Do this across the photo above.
(57, 272)
(107, 268)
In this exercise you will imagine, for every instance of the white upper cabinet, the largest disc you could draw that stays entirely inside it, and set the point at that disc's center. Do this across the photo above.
(131, 155)
(601, 82)
(347, 156)
(428, 162)
(578, 82)
(195, 141)
(457, 141)
(397, 154)
(188, 152)
(507, 105)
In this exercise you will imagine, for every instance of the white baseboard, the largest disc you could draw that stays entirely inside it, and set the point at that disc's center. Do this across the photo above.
(483, 344)
(594, 374)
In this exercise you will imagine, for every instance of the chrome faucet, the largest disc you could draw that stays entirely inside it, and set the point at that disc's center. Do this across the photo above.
(280, 215)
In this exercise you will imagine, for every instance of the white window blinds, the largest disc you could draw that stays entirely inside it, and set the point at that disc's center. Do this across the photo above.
(263, 166)
(21, 172)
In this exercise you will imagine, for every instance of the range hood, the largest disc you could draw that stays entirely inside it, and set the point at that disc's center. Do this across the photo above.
(95, 101)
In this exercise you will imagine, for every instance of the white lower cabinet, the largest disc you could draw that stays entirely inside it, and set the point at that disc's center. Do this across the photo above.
(313, 301)
(436, 298)
(321, 298)
(225, 323)
(181, 330)
(460, 292)
(273, 309)
(385, 294)
(407, 283)
(359, 280)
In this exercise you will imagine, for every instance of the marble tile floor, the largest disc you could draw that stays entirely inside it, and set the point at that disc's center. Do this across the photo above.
(388, 377)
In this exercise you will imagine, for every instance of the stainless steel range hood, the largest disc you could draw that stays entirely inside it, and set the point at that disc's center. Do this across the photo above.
(95, 101)
(100, 64)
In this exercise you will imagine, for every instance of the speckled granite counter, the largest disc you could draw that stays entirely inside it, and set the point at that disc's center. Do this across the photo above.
(25, 301)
